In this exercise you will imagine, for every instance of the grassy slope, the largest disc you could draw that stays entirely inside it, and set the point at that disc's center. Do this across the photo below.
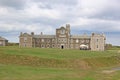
(55, 64)
(57, 53)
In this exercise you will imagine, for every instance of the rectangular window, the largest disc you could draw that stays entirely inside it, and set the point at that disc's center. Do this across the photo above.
(53, 46)
(97, 46)
(53, 40)
(97, 40)
(42, 46)
(48, 41)
(24, 44)
(42, 40)
(0, 43)
(25, 39)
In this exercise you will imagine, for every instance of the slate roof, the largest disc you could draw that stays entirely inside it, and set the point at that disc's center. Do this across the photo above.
(80, 36)
(53, 36)
(43, 36)
(1, 38)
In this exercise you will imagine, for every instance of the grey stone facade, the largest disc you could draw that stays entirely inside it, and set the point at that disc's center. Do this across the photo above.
(63, 40)
(3, 41)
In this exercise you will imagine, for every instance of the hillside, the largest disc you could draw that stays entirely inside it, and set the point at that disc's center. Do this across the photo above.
(56, 64)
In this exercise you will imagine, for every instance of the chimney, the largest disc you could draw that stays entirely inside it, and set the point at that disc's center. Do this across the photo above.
(21, 33)
(93, 34)
(41, 33)
(68, 27)
(32, 33)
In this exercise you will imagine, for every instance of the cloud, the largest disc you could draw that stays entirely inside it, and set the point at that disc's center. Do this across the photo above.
(36, 15)
(17, 4)
(104, 9)
(17, 27)
(95, 25)
(58, 2)
(36, 11)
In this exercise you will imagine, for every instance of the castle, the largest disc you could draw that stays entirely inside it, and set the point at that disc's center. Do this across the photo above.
(63, 40)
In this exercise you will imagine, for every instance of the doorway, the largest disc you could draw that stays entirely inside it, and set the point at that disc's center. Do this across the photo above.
(62, 47)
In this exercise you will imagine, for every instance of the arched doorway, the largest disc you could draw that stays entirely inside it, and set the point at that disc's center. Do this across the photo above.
(62, 47)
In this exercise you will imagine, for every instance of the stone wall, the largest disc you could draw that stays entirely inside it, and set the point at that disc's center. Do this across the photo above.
(63, 40)
(97, 42)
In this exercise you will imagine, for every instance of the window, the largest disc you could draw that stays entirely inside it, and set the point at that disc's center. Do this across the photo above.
(65, 40)
(97, 40)
(71, 40)
(53, 40)
(59, 40)
(25, 39)
(82, 41)
(42, 46)
(97, 46)
(48, 41)
(48, 46)
(24, 44)
(42, 40)
(0, 43)
(77, 40)
(62, 31)
(53, 46)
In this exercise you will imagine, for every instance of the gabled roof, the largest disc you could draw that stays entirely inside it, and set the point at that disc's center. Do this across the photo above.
(1, 38)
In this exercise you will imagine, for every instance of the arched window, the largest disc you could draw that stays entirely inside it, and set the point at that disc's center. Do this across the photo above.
(62, 31)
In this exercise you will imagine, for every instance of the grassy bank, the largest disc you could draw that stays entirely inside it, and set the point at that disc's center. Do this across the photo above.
(56, 64)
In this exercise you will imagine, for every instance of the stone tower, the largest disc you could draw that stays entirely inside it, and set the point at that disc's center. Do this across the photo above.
(97, 42)
(68, 28)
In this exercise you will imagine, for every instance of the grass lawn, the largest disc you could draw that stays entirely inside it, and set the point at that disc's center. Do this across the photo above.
(57, 53)
(56, 64)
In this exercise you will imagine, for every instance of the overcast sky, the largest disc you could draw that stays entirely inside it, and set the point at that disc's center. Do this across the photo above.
(84, 16)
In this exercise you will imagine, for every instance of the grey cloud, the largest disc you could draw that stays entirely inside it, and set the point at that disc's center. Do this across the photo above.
(108, 14)
(52, 2)
(70, 11)
(17, 4)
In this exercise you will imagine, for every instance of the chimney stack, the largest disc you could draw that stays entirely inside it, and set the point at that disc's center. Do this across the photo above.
(21, 33)
(68, 27)
(41, 33)
(32, 33)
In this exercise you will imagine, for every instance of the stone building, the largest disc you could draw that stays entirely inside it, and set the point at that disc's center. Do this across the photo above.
(63, 40)
(3, 41)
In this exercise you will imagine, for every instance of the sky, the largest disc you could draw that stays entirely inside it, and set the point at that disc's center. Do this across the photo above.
(84, 16)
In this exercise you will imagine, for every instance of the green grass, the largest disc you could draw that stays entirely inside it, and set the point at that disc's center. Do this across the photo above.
(13, 72)
(58, 53)
(56, 64)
